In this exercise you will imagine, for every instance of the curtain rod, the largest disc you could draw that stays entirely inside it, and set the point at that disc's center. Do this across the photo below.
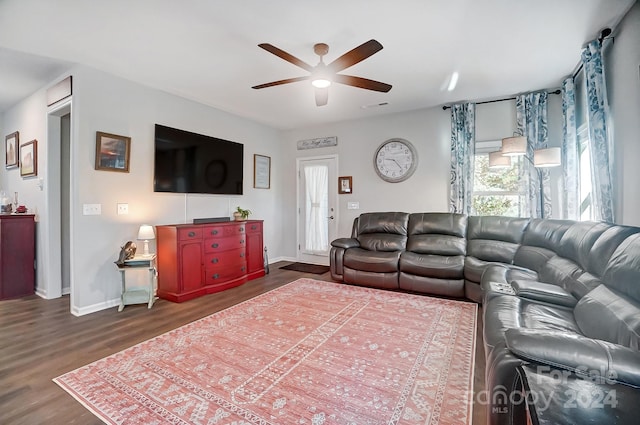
(445, 107)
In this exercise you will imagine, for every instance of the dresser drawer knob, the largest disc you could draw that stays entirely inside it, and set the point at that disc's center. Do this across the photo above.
(214, 232)
(254, 227)
(192, 234)
(241, 240)
(214, 260)
(215, 245)
(241, 254)
(242, 268)
(215, 276)
(241, 229)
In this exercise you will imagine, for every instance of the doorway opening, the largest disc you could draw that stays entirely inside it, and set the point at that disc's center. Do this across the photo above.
(317, 208)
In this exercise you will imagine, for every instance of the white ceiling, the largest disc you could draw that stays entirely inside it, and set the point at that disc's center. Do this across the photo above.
(206, 50)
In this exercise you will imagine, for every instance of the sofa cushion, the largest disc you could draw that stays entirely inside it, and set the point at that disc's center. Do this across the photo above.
(578, 240)
(623, 269)
(570, 276)
(608, 315)
(384, 231)
(584, 356)
(509, 312)
(546, 233)
(603, 248)
(493, 239)
(372, 261)
(442, 267)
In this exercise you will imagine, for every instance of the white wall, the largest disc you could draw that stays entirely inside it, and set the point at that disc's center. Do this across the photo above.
(430, 132)
(102, 102)
(427, 129)
(623, 85)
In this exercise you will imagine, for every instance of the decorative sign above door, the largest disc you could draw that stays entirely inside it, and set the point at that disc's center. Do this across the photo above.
(320, 142)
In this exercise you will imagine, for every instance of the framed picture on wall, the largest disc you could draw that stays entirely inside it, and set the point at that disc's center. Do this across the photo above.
(29, 159)
(11, 143)
(112, 152)
(345, 185)
(261, 171)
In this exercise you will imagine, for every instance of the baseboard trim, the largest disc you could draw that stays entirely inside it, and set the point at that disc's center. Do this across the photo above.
(275, 260)
(95, 307)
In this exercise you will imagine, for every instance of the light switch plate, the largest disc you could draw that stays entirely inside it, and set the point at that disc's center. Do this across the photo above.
(92, 209)
(123, 209)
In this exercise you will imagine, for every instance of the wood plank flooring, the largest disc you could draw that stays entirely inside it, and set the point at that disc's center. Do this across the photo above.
(40, 339)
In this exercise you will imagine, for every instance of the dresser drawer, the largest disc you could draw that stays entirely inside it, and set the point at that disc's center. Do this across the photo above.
(219, 276)
(225, 258)
(253, 227)
(190, 233)
(223, 231)
(224, 244)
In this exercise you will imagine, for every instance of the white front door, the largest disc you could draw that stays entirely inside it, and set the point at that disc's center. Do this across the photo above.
(317, 204)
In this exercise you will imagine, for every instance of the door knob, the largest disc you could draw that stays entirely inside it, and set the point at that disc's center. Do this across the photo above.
(330, 217)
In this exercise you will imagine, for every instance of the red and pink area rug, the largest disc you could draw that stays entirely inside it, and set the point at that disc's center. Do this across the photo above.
(309, 352)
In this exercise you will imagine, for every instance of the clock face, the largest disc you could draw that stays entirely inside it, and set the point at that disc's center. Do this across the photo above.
(395, 160)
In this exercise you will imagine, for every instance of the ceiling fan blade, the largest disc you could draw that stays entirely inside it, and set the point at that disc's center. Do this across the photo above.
(286, 56)
(322, 96)
(279, 82)
(354, 56)
(362, 83)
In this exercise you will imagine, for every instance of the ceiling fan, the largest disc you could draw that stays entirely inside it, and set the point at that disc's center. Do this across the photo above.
(323, 75)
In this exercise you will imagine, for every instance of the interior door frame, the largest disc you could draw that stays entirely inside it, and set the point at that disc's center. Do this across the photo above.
(333, 201)
(51, 236)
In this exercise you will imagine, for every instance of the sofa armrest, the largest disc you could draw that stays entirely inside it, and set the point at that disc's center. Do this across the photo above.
(593, 359)
(345, 243)
(545, 292)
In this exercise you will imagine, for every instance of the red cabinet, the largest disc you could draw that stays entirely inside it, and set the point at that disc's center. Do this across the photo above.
(197, 259)
(17, 255)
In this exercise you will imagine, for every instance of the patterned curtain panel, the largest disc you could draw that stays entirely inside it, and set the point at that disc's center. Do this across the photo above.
(570, 152)
(463, 135)
(531, 118)
(599, 138)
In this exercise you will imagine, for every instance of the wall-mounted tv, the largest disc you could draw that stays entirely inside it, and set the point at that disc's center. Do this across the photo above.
(187, 162)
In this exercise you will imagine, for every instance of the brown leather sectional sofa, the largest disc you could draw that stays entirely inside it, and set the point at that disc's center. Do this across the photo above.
(561, 295)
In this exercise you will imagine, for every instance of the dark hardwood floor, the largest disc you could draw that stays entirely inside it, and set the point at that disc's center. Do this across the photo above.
(40, 339)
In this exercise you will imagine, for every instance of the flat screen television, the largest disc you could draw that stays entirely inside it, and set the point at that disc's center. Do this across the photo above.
(187, 162)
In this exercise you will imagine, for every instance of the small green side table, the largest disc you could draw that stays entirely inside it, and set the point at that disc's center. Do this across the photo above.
(138, 294)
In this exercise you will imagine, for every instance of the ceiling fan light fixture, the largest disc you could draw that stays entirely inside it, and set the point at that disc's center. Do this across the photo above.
(321, 83)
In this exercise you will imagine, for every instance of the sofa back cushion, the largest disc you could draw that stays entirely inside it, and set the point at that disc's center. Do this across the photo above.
(604, 247)
(622, 272)
(495, 238)
(578, 241)
(569, 275)
(383, 231)
(437, 233)
(539, 242)
(610, 316)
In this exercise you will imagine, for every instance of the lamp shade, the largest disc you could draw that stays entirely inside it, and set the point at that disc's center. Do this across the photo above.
(498, 160)
(549, 157)
(514, 146)
(146, 232)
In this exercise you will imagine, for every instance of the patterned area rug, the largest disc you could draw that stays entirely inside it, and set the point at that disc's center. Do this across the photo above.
(309, 352)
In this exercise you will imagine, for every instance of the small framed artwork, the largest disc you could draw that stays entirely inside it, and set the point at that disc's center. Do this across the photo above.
(11, 144)
(345, 185)
(112, 152)
(261, 171)
(29, 159)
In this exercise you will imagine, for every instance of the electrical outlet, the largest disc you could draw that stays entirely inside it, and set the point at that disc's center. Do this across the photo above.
(92, 209)
(353, 205)
(123, 209)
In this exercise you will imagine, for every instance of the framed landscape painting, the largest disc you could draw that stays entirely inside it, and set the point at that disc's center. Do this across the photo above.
(29, 159)
(112, 152)
(12, 141)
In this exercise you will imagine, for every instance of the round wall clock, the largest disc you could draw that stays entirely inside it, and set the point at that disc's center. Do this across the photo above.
(395, 160)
